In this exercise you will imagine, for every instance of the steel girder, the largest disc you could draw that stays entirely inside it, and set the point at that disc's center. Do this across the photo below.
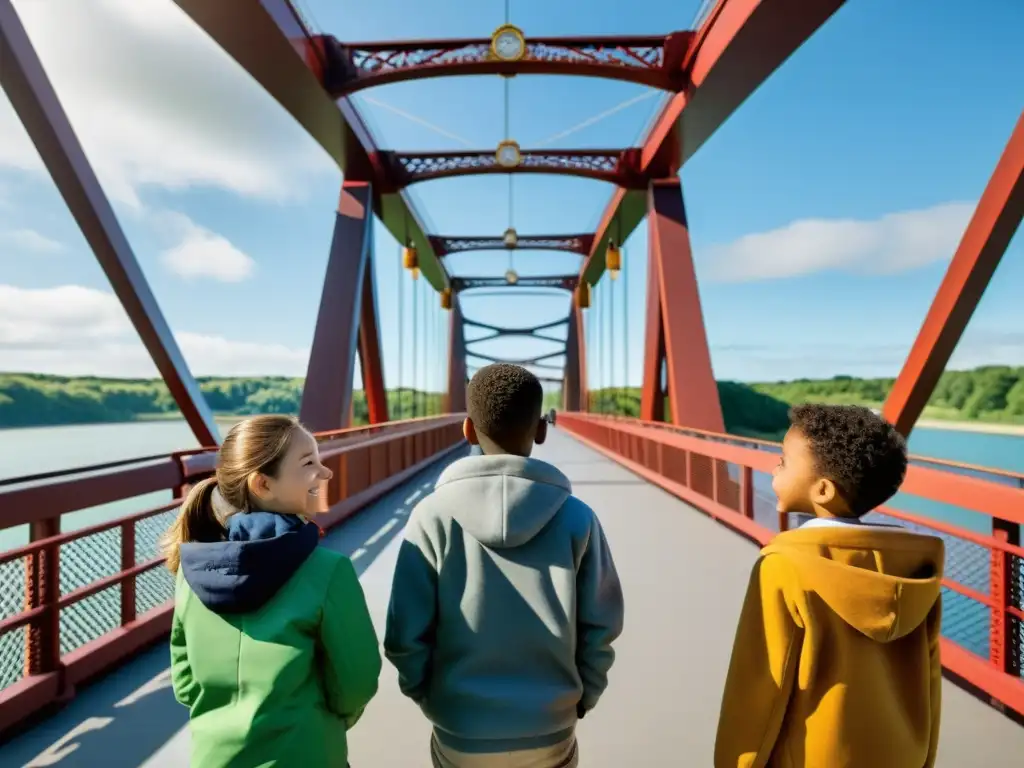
(614, 166)
(327, 392)
(739, 45)
(457, 371)
(445, 245)
(650, 60)
(270, 42)
(981, 248)
(574, 384)
(675, 323)
(560, 282)
(35, 102)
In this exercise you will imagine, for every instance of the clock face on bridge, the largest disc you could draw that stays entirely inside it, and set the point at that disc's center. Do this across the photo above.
(508, 155)
(508, 44)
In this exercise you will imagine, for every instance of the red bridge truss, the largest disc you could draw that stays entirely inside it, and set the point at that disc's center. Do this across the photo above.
(679, 442)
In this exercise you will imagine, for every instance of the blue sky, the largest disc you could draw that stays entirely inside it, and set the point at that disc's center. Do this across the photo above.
(822, 214)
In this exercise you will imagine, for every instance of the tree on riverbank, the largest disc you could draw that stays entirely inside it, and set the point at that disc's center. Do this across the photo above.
(991, 394)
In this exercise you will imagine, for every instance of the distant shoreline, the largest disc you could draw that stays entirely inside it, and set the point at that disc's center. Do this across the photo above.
(981, 427)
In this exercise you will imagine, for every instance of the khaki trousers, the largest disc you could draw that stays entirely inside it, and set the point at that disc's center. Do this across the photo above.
(564, 754)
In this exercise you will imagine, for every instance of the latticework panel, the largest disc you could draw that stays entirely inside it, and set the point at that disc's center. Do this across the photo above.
(152, 588)
(415, 167)
(636, 54)
(90, 618)
(86, 560)
(462, 244)
(964, 620)
(12, 656)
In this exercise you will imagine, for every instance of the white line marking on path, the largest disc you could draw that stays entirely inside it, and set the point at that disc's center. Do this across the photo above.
(382, 532)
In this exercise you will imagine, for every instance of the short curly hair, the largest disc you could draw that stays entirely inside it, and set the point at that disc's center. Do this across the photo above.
(504, 402)
(856, 449)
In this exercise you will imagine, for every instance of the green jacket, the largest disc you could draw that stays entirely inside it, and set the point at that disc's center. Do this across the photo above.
(272, 647)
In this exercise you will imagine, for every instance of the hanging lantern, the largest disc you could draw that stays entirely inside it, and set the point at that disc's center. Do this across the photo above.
(613, 260)
(511, 277)
(510, 238)
(583, 295)
(446, 298)
(410, 260)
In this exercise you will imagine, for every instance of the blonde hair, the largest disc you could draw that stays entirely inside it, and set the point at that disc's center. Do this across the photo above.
(254, 445)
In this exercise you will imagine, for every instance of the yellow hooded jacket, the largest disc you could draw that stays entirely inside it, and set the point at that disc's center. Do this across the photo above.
(836, 657)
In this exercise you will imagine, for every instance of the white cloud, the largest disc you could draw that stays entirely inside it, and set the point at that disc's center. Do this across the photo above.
(156, 103)
(201, 253)
(896, 242)
(30, 240)
(73, 330)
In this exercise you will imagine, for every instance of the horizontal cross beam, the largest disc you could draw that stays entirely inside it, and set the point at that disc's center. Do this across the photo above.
(620, 167)
(651, 60)
(579, 244)
(562, 282)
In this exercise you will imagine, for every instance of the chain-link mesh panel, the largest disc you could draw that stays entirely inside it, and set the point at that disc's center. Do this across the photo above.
(86, 560)
(90, 618)
(12, 588)
(964, 620)
(148, 533)
(152, 588)
(12, 656)
(12, 602)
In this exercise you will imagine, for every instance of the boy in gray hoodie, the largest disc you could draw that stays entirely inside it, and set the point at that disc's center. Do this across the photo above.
(505, 600)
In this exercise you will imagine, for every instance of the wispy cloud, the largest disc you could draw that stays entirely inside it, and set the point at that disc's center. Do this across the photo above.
(28, 240)
(74, 330)
(157, 104)
(896, 242)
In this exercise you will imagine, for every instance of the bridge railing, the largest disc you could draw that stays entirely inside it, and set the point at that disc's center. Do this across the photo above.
(74, 603)
(979, 520)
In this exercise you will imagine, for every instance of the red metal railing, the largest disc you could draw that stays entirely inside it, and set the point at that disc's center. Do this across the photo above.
(74, 604)
(983, 607)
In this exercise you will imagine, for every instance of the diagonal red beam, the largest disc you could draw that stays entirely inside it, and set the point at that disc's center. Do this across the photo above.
(739, 45)
(984, 242)
(651, 60)
(270, 42)
(35, 102)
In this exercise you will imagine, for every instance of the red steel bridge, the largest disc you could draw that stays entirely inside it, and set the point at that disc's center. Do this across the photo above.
(84, 613)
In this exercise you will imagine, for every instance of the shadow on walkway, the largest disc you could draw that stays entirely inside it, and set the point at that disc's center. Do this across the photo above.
(124, 718)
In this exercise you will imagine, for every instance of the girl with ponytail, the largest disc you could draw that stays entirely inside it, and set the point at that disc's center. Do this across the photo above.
(272, 646)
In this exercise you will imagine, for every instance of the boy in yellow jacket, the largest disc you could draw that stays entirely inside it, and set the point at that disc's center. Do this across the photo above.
(836, 657)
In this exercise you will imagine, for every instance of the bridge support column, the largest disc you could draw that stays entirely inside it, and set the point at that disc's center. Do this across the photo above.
(370, 361)
(982, 247)
(574, 387)
(35, 102)
(675, 335)
(327, 392)
(457, 376)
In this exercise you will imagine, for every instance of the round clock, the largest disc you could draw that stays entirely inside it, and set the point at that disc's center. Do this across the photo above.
(511, 277)
(508, 43)
(507, 154)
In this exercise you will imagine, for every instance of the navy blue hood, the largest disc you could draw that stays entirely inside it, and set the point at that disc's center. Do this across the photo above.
(263, 550)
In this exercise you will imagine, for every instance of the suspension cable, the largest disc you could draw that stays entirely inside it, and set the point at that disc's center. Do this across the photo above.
(415, 347)
(611, 346)
(625, 327)
(401, 333)
(609, 331)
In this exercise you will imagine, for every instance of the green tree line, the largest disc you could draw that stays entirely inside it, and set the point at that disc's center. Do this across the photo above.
(991, 393)
(28, 400)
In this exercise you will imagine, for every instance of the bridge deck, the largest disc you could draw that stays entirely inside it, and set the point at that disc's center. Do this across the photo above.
(683, 576)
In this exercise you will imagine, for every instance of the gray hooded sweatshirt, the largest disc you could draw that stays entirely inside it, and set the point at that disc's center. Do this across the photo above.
(504, 606)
